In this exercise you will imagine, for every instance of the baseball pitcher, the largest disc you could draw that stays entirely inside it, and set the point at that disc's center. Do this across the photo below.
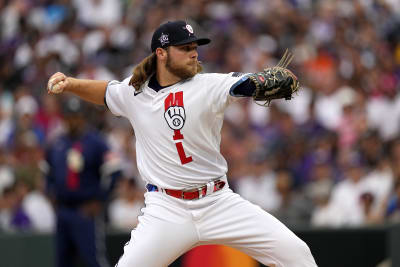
(177, 114)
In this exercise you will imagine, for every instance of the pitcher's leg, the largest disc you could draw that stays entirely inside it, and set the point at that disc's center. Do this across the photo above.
(159, 239)
(235, 222)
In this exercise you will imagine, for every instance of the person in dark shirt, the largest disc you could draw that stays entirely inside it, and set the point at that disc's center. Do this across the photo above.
(81, 174)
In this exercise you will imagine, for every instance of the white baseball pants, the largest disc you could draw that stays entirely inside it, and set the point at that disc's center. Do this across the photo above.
(169, 227)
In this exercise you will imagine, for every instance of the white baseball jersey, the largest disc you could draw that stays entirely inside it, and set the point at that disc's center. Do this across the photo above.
(177, 129)
(178, 146)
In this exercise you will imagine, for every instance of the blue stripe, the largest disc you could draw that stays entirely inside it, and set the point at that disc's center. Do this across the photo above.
(151, 187)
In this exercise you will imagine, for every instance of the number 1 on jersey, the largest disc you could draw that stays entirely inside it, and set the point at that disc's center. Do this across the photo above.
(175, 117)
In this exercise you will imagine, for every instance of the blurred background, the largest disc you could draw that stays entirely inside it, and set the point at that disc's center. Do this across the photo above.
(328, 159)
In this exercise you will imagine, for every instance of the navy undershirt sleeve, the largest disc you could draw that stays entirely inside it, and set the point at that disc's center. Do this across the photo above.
(243, 88)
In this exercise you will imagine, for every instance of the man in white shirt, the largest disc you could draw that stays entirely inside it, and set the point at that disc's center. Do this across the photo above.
(346, 197)
(259, 184)
(177, 114)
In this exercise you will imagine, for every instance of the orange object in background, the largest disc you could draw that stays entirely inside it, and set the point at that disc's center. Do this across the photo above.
(217, 256)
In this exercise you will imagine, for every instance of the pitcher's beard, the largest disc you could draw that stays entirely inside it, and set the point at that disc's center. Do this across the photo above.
(183, 72)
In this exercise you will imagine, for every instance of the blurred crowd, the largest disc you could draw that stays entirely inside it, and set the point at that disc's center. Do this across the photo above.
(329, 157)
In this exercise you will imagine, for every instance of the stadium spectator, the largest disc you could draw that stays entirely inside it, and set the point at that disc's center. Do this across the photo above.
(6, 171)
(125, 208)
(294, 208)
(12, 215)
(393, 207)
(259, 185)
(347, 194)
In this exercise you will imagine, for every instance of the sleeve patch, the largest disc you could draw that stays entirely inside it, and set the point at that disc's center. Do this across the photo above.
(237, 74)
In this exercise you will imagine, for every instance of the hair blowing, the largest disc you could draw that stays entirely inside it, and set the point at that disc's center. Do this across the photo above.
(146, 68)
(143, 71)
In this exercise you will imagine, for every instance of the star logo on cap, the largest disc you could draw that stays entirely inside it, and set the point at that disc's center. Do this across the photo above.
(164, 39)
(189, 29)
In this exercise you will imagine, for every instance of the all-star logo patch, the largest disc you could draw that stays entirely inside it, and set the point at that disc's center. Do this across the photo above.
(237, 74)
(261, 78)
(164, 39)
(189, 28)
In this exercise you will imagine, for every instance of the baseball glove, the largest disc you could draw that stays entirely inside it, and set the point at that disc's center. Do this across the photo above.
(275, 82)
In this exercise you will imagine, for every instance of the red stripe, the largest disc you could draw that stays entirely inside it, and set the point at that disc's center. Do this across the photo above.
(73, 178)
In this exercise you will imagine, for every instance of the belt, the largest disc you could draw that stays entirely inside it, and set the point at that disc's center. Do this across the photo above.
(191, 194)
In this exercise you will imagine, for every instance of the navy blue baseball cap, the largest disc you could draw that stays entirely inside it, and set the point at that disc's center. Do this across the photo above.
(175, 33)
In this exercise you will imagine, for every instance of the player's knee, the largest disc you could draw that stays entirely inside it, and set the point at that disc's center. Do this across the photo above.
(298, 253)
(303, 248)
(296, 245)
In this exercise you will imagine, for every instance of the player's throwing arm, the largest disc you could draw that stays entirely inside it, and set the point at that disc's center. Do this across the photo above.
(89, 90)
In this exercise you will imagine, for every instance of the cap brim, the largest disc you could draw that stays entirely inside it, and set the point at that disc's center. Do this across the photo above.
(199, 41)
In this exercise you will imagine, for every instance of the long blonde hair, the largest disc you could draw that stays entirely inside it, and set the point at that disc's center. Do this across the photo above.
(143, 71)
(146, 68)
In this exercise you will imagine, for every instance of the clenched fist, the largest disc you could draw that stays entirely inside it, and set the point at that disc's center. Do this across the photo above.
(57, 83)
